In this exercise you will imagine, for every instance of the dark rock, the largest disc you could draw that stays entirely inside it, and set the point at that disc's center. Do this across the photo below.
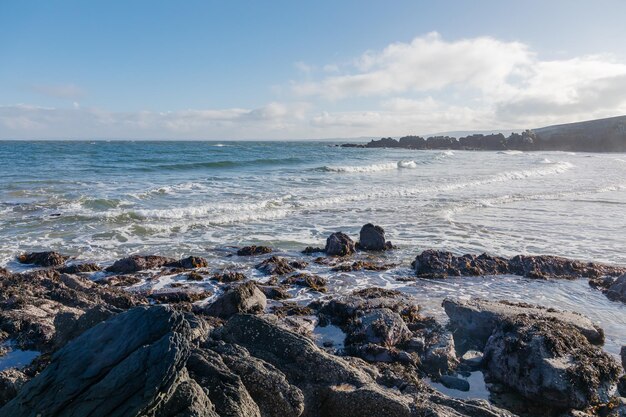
(349, 401)
(379, 326)
(68, 327)
(267, 385)
(119, 281)
(243, 298)
(79, 268)
(274, 293)
(548, 361)
(621, 386)
(372, 238)
(43, 258)
(473, 359)
(454, 382)
(191, 262)
(439, 355)
(310, 250)
(275, 266)
(11, 381)
(297, 264)
(617, 291)
(30, 304)
(291, 309)
(476, 319)
(439, 264)
(142, 351)
(174, 297)
(138, 263)
(314, 282)
(339, 244)
(194, 276)
(362, 265)
(254, 250)
(229, 276)
(623, 355)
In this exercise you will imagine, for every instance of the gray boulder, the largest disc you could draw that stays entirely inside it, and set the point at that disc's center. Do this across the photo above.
(372, 238)
(43, 258)
(126, 366)
(476, 319)
(243, 298)
(551, 362)
(339, 244)
(380, 326)
(617, 290)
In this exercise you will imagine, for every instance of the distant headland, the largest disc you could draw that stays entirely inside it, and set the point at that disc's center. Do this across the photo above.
(601, 135)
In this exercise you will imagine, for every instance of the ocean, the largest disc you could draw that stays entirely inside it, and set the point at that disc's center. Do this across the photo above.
(102, 200)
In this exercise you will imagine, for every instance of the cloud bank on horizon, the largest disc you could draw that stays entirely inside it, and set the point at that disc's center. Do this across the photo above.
(430, 84)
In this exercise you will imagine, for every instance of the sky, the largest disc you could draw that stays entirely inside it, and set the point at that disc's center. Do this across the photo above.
(222, 70)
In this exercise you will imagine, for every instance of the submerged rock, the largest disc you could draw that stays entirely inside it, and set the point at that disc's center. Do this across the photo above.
(138, 263)
(373, 238)
(362, 265)
(440, 264)
(43, 258)
(339, 244)
(476, 319)
(548, 361)
(243, 298)
(254, 250)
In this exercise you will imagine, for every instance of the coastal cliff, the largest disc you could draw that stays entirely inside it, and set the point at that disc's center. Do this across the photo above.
(602, 135)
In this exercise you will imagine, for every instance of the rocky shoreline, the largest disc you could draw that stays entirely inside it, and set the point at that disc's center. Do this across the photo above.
(247, 349)
(602, 135)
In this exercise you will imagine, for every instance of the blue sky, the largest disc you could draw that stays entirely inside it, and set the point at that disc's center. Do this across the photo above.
(289, 69)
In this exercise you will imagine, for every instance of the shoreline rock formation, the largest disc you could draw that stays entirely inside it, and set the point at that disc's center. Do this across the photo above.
(602, 135)
(245, 349)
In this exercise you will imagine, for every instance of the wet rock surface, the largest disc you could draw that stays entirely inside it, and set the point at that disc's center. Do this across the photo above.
(549, 361)
(613, 288)
(43, 258)
(339, 244)
(372, 238)
(275, 266)
(242, 298)
(137, 263)
(440, 264)
(254, 250)
(476, 319)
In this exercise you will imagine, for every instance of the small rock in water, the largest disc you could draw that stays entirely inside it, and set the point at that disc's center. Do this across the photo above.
(310, 250)
(339, 244)
(454, 382)
(229, 276)
(43, 258)
(138, 263)
(372, 238)
(243, 298)
(472, 358)
(314, 282)
(191, 262)
(275, 266)
(194, 276)
(254, 250)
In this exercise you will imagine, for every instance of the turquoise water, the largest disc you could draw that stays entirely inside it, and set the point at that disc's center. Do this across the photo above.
(100, 201)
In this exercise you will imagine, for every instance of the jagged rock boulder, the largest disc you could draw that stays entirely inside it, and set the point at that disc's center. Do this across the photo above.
(617, 291)
(254, 250)
(549, 361)
(339, 244)
(190, 262)
(43, 258)
(440, 264)
(243, 298)
(35, 306)
(623, 355)
(275, 266)
(138, 263)
(476, 319)
(126, 366)
(11, 381)
(312, 281)
(372, 238)
(380, 326)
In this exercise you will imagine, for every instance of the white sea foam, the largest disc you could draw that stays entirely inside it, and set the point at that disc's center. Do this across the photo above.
(388, 166)
(511, 152)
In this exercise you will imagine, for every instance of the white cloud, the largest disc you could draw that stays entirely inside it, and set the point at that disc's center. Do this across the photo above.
(425, 85)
